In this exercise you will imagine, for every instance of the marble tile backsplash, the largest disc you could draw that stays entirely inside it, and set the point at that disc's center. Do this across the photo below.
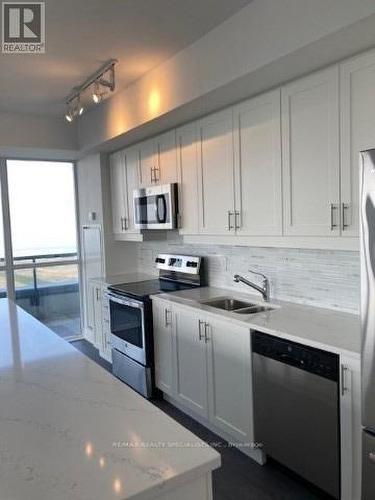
(322, 278)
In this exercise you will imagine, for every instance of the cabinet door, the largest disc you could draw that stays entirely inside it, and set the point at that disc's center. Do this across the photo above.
(98, 319)
(163, 345)
(229, 378)
(167, 158)
(147, 163)
(132, 183)
(118, 191)
(357, 132)
(191, 362)
(92, 267)
(258, 166)
(90, 313)
(187, 157)
(310, 138)
(216, 182)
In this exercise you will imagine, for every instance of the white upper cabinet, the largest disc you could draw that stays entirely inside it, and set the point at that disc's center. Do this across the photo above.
(166, 172)
(357, 132)
(216, 172)
(158, 160)
(187, 159)
(310, 139)
(147, 163)
(124, 179)
(118, 191)
(258, 166)
(131, 183)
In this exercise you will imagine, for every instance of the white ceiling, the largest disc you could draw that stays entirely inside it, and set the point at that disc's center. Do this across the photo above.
(83, 34)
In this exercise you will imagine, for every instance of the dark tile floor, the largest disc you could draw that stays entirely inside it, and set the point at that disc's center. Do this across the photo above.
(239, 477)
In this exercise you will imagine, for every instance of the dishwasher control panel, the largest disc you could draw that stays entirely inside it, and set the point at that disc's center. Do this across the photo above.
(322, 363)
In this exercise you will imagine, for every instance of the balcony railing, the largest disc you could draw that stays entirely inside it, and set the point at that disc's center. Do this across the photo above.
(47, 286)
(34, 285)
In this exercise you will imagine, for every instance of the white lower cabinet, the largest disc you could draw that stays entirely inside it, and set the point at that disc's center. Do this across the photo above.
(190, 351)
(98, 317)
(105, 346)
(162, 319)
(229, 378)
(98, 326)
(205, 365)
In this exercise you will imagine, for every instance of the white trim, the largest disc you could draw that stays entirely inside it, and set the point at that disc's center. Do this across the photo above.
(8, 249)
(308, 242)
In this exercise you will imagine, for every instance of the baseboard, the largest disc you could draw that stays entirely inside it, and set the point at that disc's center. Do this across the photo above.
(257, 455)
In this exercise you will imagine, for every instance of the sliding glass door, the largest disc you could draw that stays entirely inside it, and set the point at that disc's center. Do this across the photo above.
(42, 214)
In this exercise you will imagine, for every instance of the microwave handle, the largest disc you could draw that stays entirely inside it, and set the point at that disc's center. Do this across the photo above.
(161, 198)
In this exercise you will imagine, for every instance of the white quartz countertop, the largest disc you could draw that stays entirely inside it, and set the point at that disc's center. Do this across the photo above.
(69, 430)
(326, 329)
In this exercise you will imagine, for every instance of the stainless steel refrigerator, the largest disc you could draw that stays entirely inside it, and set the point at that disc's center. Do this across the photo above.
(367, 237)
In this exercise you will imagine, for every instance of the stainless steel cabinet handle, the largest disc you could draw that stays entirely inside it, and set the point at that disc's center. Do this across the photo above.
(236, 219)
(371, 457)
(151, 174)
(230, 227)
(97, 293)
(156, 169)
(166, 316)
(206, 332)
(345, 208)
(200, 324)
(125, 224)
(333, 208)
(344, 387)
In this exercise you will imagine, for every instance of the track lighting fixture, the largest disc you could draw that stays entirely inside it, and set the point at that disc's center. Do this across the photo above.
(103, 82)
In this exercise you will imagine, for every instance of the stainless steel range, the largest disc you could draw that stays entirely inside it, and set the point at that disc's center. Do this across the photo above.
(131, 318)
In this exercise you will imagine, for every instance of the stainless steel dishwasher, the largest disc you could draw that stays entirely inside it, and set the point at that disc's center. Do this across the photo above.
(296, 408)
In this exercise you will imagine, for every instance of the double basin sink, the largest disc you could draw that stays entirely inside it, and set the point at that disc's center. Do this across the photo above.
(236, 306)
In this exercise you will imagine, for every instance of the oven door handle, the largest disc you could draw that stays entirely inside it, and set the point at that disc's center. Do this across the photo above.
(123, 301)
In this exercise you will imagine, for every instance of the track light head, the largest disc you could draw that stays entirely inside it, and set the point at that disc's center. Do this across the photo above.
(96, 95)
(69, 114)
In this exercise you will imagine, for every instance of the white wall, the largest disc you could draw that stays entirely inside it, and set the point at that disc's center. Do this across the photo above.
(261, 34)
(19, 131)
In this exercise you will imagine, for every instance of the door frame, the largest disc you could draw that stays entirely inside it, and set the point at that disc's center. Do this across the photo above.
(7, 228)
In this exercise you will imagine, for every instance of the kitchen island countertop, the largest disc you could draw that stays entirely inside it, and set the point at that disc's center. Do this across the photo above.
(69, 430)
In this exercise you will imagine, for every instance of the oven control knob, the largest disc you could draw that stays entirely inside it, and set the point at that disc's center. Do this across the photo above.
(159, 260)
(191, 264)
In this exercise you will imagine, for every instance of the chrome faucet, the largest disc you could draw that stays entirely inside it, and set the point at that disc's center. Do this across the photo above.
(264, 289)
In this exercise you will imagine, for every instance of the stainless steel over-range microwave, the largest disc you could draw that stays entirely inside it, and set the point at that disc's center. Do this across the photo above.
(156, 207)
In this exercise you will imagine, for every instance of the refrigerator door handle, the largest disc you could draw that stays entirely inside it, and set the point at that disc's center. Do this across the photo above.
(344, 385)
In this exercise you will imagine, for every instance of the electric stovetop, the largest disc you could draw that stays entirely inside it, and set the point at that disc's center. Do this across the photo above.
(143, 289)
